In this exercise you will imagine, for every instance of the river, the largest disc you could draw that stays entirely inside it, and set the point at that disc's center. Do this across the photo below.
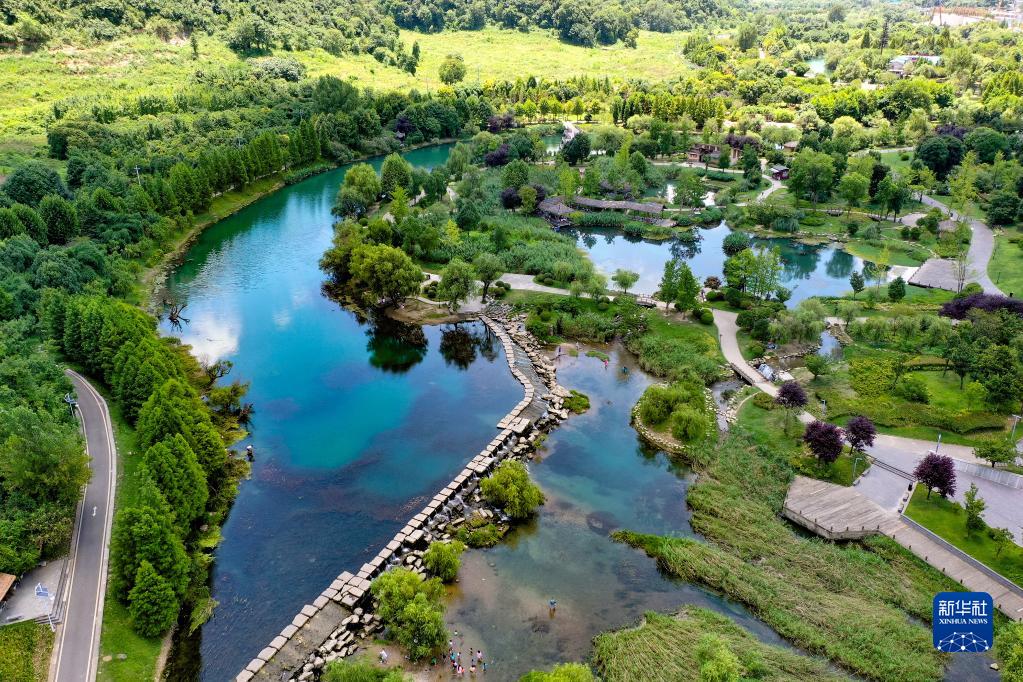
(357, 422)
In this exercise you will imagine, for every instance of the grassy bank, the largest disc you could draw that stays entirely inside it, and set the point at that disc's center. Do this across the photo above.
(1006, 266)
(664, 647)
(852, 603)
(947, 519)
(117, 636)
(25, 652)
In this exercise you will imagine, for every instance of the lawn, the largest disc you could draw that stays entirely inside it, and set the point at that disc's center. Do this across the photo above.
(947, 519)
(25, 652)
(899, 252)
(1006, 266)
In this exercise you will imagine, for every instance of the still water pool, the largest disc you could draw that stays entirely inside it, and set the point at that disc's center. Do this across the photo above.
(809, 270)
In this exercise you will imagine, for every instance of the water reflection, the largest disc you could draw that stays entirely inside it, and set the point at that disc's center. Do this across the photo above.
(395, 346)
(459, 344)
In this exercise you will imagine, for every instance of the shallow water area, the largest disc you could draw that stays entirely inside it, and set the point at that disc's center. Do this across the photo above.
(597, 477)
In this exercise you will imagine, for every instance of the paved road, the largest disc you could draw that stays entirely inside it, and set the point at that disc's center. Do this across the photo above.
(982, 246)
(76, 650)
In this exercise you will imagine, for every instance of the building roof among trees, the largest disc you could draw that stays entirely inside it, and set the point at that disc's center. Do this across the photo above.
(6, 582)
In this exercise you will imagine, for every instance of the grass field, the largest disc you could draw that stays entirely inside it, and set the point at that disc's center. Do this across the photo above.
(946, 518)
(667, 647)
(1006, 266)
(142, 64)
(25, 652)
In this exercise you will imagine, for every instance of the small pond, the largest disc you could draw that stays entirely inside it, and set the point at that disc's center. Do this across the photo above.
(808, 270)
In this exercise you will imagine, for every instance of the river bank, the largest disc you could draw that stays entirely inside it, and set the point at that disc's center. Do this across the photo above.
(230, 203)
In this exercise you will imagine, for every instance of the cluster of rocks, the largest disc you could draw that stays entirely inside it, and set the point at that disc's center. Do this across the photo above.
(337, 622)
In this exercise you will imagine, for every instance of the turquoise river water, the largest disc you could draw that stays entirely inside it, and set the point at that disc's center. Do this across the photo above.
(359, 422)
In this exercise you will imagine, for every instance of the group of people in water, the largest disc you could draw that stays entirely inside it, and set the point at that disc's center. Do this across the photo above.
(476, 661)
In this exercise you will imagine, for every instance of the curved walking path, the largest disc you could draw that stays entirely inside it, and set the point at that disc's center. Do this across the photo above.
(76, 649)
(887, 448)
(982, 247)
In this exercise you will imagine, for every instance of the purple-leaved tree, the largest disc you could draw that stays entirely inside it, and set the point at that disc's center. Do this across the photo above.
(937, 472)
(824, 440)
(860, 432)
(792, 397)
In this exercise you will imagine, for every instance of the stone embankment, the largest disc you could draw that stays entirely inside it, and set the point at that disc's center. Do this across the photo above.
(340, 619)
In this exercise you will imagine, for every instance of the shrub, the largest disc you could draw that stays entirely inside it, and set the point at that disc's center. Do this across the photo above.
(757, 349)
(577, 402)
(764, 401)
(486, 535)
(510, 489)
(443, 559)
(688, 424)
(913, 389)
(706, 317)
(714, 296)
(359, 670)
(958, 308)
(733, 297)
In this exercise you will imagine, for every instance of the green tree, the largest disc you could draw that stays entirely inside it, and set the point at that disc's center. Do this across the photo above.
(509, 488)
(384, 273)
(515, 174)
(32, 181)
(857, 282)
(688, 287)
(624, 279)
(817, 364)
(362, 179)
(1002, 537)
(39, 457)
(668, 290)
(169, 411)
(457, 283)
(812, 174)
(395, 172)
(61, 219)
(996, 451)
(396, 588)
(142, 534)
(452, 69)
(689, 189)
(1009, 646)
(31, 222)
(897, 289)
(527, 197)
(853, 189)
(177, 474)
(751, 166)
(974, 507)
(152, 604)
(488, 267)
(443, 559)
(568, 183)
(960, 353)
(421, 628)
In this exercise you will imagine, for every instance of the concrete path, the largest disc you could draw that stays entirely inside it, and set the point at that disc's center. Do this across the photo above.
(982, 246)
(76, 649)
(839, 513)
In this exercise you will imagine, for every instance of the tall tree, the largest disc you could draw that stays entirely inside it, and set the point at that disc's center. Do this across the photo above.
(457, 283)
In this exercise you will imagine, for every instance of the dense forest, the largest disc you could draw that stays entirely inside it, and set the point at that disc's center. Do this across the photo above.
(353, 26)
